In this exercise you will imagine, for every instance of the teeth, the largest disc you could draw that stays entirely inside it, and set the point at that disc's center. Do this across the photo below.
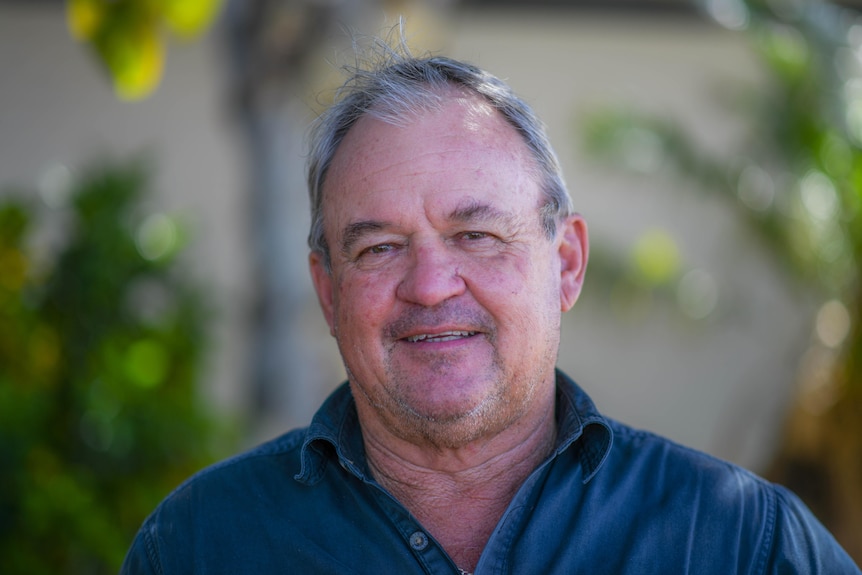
(438, 337)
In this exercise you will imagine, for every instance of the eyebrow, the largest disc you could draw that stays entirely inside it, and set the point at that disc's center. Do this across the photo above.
(471, 212)
(475, 212)
(354, 231)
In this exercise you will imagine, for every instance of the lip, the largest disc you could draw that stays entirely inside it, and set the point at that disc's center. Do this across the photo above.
(440, 336)
(444, 320)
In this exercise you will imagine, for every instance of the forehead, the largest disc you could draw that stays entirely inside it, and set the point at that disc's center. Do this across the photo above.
(462, 150)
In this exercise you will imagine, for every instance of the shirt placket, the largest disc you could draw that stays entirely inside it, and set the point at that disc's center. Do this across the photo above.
(429, 554)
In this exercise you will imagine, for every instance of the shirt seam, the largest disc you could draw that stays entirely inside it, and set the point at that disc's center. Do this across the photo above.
(769, 542)
(152, 552)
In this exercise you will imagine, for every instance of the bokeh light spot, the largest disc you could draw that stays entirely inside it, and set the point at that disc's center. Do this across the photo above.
(790, 45)
(733, 14)
(756, 188)
(655, 258)
(817, 386)
(853, 108)
(146, 363)
(697, 294)
(833, 323)
(157, 237)
(55, 184)
(96, 430)
(837, 156)
(818, 195)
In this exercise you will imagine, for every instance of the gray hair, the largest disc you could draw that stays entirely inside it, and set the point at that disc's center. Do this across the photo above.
(400, 85)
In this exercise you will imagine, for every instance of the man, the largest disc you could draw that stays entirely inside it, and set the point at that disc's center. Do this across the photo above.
(444, 248)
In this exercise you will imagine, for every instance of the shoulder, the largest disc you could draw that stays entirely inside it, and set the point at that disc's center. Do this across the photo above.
(273, 460)
(235, 502)
(802, 543)
(717, 505)
(254, 479)
(258, 472)
(211, 504)
(673, 475)
(637, 451)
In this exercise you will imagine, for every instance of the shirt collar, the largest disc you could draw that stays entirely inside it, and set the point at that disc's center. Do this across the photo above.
(335, 434)
(334, 430)
(581, 427)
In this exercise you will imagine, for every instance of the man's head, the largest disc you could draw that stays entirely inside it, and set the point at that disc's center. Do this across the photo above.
(444, 249)
(397, 88)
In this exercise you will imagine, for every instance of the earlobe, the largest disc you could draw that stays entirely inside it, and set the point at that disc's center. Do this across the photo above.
(574, 252)
(322, 279)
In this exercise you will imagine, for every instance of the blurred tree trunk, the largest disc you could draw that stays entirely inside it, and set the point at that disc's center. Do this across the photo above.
(820, 456)
(275, 49)
(270, 45)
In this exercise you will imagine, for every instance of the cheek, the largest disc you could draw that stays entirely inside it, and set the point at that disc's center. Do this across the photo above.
(523, 296)
(512, 279)
(362, 301)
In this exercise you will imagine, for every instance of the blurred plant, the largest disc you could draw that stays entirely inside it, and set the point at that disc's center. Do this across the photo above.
(128, 36)
(797, 183)
(100, 341)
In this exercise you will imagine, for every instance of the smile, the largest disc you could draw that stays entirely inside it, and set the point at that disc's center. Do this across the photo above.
(440, 337)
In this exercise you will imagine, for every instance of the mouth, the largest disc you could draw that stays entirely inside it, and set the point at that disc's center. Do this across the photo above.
(440, 337)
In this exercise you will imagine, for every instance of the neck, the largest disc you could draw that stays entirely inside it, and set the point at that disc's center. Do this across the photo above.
(460, 494)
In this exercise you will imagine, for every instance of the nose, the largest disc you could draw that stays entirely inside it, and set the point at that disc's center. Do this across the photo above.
(432, 276)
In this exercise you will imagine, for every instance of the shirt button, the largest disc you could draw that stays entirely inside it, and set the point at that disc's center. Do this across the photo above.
(418, 541)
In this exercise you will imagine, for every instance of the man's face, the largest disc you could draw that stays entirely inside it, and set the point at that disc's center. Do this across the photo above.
(445, 293)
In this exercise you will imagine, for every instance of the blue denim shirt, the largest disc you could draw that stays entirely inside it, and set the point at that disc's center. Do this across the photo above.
(609, 499)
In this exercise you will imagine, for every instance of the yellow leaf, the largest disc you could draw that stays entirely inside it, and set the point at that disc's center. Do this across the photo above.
(135, 59)
(188, 18)
(84, 17)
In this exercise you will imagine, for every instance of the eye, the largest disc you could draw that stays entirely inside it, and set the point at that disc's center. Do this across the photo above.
(377, 249)
(480, 242)
(474, 235)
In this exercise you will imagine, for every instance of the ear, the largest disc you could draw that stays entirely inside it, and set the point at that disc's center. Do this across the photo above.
(574, 251)
(324, 287)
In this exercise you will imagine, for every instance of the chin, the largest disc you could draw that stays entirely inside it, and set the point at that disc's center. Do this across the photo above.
(455, 424)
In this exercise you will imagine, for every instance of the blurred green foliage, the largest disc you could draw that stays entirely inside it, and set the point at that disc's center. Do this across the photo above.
(101, 336)
(795, 180)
